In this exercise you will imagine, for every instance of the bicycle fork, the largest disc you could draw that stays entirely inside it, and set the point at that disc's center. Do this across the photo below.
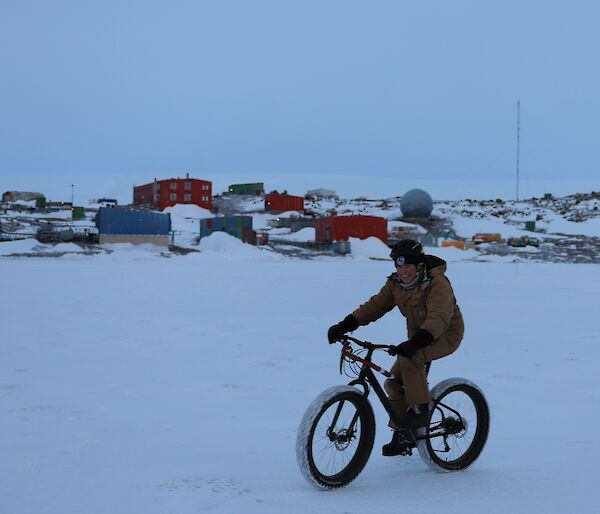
(345, 435)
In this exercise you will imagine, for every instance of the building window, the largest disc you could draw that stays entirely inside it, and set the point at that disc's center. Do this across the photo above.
(187, 185)
(173, 186)
(205, 198)
(205, 187)
(187, 198)
(173, 196)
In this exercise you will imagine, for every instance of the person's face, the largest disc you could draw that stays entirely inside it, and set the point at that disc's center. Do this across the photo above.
(406, 272)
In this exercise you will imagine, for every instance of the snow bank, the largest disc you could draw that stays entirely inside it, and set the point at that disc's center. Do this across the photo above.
(370, 248)
(20, 246)
(185, 221)
(188, 211)
(232, 248)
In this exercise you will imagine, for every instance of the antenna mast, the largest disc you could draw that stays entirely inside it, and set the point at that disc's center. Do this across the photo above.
(518, 142)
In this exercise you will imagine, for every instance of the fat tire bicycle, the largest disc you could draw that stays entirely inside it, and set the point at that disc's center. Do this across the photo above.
(337, 432)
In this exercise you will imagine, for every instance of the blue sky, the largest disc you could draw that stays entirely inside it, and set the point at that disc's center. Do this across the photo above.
(385, 89)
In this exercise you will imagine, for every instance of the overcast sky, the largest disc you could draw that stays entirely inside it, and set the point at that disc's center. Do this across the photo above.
(379, 88)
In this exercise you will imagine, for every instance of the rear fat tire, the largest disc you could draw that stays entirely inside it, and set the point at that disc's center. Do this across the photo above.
(306, 432)
(441, 390)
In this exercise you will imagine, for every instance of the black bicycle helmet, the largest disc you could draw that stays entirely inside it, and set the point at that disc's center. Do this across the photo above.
(407, 251)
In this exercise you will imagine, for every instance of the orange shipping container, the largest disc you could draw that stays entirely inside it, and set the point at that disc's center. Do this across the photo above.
(487, 238)
(457, 244)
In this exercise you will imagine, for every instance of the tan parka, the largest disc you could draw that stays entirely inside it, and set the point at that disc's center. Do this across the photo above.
(430, 305)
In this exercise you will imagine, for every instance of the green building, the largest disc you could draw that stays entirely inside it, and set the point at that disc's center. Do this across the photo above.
(246, 189)
(77, 213)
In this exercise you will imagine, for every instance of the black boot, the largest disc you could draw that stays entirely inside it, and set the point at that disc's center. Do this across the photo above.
(397, 446)
(417, 416)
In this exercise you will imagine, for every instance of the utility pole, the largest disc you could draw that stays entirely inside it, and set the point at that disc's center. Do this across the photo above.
(518, 142)
(72, 205)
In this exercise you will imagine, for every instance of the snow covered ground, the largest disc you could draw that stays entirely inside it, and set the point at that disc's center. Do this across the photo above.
(132, 383)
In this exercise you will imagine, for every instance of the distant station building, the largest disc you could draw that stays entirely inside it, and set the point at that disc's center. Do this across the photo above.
(276, 202)
(340, 228)
(161, 194)
(121, 225)
(107, 202)
(256, 189)
(236, 226)
(22, 196)
(320, 193)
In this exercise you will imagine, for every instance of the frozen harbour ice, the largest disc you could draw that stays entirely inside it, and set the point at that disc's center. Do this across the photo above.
(134, 383)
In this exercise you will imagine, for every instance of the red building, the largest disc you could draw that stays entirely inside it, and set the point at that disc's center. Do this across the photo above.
(283, 202)
(161, 194)
(340, 228)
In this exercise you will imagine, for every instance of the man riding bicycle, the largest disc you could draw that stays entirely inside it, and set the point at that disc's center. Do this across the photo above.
(424, 295)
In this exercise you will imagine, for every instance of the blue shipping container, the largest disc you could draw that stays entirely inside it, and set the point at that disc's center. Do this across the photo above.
(231, 224)
(116, 220)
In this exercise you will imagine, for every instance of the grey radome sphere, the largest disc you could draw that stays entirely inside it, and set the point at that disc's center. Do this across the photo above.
(416, 203)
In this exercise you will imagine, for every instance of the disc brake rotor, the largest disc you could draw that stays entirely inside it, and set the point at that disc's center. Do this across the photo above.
(342, 439)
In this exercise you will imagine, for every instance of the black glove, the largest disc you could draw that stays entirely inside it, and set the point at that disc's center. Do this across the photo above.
(407, 349)
(348, 324)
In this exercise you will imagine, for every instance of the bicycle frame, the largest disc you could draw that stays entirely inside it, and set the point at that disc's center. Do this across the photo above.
(367, 379)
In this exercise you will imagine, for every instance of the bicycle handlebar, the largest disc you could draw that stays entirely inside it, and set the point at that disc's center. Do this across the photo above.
(365, 344)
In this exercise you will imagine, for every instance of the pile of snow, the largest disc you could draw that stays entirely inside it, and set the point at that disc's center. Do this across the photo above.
(19, 246)
(302, 236)
(185, 221)
(370, 248)
(188, 211)
(229, 247)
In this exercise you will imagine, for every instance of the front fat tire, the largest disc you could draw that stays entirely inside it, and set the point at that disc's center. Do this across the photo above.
(307, 428)
(483, 420)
